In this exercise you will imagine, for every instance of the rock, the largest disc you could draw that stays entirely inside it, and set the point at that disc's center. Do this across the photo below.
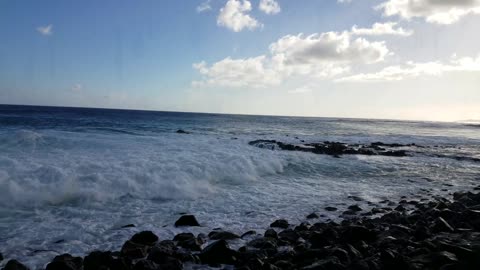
(247, 234)
(222, 235)
(65, 262)
(312, 216)
(218, 253)
(183, 236)
(133, 250)
(289, 235)
(187, 220)
(441, 225)
(145, 265)
(144, 238)
(128, 226)
(355, 233)
(271, 233)
(443, 257)
(355, 208)
(181, 131)
(328, 264)
(1, 257)
(331, 209)
(99, 260)
(194, 244)
(263, 243)
(14, 265)
(281, 223)
(342, 255)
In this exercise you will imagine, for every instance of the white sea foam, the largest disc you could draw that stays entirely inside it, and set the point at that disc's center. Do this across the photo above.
(81, 187)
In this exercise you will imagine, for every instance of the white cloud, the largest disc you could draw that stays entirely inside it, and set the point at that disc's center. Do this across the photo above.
(433, 11)
(413, 70)
(269, 6)
(234, 16)
(45, 30)
(379, 29)
(301, 90)
(324, 55)
(204, 6)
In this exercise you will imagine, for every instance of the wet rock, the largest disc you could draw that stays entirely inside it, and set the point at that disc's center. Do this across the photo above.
(441, 225)
(181, 131)
(342, 255)
(281, 223)
(1, 257)
(65, 262)
(248, 234)
(144, 238)
(128, 226)
(133, 250)
(263, 243)
(183, 237)
(187, 220)
(145, 265)
(355, 233)
(218, 253)
(271, 233)
(331, 209)
(99, 260)
(312, 216)
(289, 235)
(14, 265)
(222, 235)
(355, 208)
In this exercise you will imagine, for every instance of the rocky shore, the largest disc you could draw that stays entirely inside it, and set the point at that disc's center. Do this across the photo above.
(437, 234)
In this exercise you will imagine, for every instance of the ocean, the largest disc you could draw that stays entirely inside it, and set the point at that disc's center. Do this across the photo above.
(71, 178)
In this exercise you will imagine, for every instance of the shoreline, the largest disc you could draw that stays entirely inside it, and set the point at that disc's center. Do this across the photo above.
(442, 233)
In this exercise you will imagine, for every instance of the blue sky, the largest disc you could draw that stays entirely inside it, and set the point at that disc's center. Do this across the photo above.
(236, 56)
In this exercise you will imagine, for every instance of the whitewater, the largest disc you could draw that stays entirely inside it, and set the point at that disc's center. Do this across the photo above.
(72, 178)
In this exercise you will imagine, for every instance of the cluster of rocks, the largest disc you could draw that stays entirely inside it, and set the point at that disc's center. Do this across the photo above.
(337, 148)
(436, 234)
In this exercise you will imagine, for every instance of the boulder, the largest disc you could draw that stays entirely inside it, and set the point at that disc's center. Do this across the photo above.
(14, 265)
(187, 220)
(218, 253)
(145, 238)
(222, 235)
(281, 223)
(65, 262)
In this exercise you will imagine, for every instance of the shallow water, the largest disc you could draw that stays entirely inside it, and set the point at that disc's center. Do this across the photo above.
(71, 178)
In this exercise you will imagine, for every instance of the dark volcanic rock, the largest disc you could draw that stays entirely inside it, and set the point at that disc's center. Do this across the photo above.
(187, 220)
(281, 223)
(1, 257)
(222, 235)
(99, 260)
(181, 131)
(133, 250)
(247, 234)
(331, 209)
(14, 265)
(312, 216)
(271, 233)
(145, 238)
(65, 262)
(218, 253)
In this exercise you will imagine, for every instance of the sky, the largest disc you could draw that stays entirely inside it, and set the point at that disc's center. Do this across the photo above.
(389, 59)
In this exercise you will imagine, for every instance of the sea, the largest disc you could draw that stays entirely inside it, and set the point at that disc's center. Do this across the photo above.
(72, 178)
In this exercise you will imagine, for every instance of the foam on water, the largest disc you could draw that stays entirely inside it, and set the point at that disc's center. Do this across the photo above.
(70, 179)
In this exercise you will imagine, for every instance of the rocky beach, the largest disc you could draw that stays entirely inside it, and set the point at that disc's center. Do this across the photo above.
(439, 233)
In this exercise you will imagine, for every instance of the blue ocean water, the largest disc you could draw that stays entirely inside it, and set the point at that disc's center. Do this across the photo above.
(70, 178)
